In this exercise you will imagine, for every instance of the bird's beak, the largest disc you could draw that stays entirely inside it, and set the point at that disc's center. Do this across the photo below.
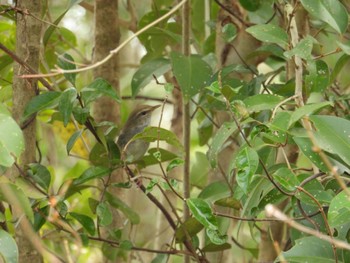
(154, 107)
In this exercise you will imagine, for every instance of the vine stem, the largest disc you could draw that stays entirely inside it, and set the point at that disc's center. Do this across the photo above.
(59, 71)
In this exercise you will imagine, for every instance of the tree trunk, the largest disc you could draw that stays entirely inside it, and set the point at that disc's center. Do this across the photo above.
(107, 37)
(27, 48)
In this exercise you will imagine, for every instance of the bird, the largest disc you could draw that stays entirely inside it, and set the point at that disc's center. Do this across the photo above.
(138, 120)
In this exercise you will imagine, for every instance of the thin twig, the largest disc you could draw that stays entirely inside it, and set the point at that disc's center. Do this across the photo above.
(274, 212)
(113, 52)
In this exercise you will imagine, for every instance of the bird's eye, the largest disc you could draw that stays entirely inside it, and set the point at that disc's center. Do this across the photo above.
(143, 113)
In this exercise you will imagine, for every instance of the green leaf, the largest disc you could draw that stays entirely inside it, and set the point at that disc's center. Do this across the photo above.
(91, 173)
(53, 26)
(65, 106)
(344, 46)
(152, 134)
(11, 140)
(201, 210)
(302, 49)
(104, 214)
(229, 32)
(339, 210)
(126, 244)
(219, 139)
(262, 102)
(160, 258)
(75, 136)
(192, 226)
(286, 178)
(215, 191)
(341, 62)
(318, 79)
(41, 175)
(43, 101)
(86, 221)
(310, 249)
(333, 135)
(145, 73)
(215, 236)
(127, 211)
(306, 146)
(192, 73)
(246, 163)
(250, 5)
(66, 62)
(174, 163)
(9, 191)
(307, 110)
(329, 11)
(99, 87)
(269, 33)
(8, 248)
(151, 185)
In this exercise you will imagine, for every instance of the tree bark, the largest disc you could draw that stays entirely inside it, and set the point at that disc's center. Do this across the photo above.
(27, 48)
(107, 37)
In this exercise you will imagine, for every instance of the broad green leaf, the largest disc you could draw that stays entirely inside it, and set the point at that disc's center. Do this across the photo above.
(310, 249)
(219, 139)
(307, 110)
(286, 178)
(262, 102)
(160, 258)
(192, 227)
(318, 79)
(41, 102)
(91, 173)
(192, 73)
(339, 210)
(302, 49)
(65, 106)
(145, 73)
(201, 210)
(250, 5)
(215, 236)
(99, 87)
(229, 32)
(150, 159)
(269, 33)
(126, 245)
(333, 135)
(40, 175)
(66, 62)
(246, 163)
(53, 26)
(215, 191)
(306, 146)
(104, 214)
(8, 248)
(174, 163)
(9, 191)
(40, 216)
(152, 134)
(211, 247)
(127, 211)
(86, 221)
(345, 47)
(11, 140)
(329, 11)
(281, 121)
(341, 62)
(322, 196)
(72, 140)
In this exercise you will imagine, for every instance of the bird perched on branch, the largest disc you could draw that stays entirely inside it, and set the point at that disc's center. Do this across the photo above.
(139, 119)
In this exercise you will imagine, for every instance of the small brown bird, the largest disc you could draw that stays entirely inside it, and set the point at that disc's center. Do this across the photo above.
(139, 119)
